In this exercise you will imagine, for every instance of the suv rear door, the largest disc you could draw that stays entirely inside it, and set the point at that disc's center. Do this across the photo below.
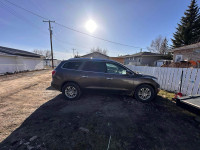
(93, 75)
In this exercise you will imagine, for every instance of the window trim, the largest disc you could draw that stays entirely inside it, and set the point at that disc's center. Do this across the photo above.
(90, 71)
(72, 69)
(117, 73)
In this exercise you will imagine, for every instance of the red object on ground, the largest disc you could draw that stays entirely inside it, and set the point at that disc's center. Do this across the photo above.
(53, 72)
(178, 95)
(194, 63)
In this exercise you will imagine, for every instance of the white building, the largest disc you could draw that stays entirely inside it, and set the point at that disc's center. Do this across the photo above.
(48, 62)
(14, 60)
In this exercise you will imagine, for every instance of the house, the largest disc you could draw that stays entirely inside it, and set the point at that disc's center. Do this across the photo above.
(162, 62)
(187, 53)
(15, 60)
(143, 59)
(119, 59)
(99, 55)
(48, 62)
(95, 55)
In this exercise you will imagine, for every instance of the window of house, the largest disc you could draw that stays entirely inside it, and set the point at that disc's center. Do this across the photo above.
(114, 68)
(72, 65)
(94, 66)
(178, 58)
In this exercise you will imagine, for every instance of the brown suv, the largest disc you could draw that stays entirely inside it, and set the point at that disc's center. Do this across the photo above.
(71, 77)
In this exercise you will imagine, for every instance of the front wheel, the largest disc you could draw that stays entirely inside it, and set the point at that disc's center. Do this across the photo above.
(145, 93)
(71, 91)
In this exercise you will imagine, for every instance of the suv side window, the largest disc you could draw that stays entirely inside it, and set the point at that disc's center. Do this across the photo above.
(94, 66)
(72, 65)
(116, 69)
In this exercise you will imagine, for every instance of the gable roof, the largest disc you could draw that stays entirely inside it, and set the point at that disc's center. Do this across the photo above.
(17, 52)
(196, 45)
(144, 54)
(93, 53)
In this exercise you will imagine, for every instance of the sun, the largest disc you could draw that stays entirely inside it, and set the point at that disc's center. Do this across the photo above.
(90, 26)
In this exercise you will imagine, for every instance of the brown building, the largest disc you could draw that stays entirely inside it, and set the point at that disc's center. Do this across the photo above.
(187, 53)
(119, 59)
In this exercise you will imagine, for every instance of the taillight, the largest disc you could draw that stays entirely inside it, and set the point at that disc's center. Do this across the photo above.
(53, 72)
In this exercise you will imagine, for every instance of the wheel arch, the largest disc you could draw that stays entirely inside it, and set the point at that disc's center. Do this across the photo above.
(66, 82)
(145, 84)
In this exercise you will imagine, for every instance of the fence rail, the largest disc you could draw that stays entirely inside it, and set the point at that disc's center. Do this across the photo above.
(169, 78)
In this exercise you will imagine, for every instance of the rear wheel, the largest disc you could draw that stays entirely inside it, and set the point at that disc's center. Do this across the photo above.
(145, 93)
(71, 91)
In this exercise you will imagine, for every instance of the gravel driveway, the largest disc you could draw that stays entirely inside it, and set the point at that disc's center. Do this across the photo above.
(34, 116)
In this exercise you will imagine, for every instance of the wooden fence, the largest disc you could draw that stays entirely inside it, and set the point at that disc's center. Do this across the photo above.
(169, 78)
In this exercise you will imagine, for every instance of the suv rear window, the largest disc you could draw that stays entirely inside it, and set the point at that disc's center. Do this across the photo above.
(94, 66)
(72, 65)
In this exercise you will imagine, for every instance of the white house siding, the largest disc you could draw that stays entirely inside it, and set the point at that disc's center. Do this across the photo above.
(48, 62)
(11, 64)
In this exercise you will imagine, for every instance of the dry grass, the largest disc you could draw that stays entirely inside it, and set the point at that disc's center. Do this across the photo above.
(34, 110)
(167, 95)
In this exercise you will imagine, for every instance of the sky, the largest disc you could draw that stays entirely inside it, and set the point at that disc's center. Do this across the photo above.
(130, 22)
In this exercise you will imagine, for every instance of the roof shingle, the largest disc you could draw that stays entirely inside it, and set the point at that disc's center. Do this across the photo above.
(144, 54)
(12, 51)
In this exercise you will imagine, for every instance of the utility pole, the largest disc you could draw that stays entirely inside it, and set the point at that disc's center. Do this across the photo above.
(50, 31)
(73, 51)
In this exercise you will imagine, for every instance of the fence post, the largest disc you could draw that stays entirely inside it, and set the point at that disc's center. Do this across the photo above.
(181, 82)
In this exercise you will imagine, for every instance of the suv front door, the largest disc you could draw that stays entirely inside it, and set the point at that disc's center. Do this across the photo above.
(118, 78)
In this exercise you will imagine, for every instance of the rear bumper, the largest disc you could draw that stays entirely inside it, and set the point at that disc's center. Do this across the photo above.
(55, 86)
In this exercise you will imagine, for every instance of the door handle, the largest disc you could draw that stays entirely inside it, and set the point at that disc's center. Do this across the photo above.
(109, 78)
(84, 76)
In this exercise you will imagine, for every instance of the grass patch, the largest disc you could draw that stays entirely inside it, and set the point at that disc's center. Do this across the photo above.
(166, 94)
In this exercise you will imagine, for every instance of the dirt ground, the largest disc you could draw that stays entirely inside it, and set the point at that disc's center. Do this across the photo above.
(34, 116)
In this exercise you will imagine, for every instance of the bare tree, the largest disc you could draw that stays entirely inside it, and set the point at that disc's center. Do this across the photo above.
(102, 51)
(159, 45)
(45, 53)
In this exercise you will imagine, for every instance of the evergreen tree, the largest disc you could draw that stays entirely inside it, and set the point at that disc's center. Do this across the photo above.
(188, 31)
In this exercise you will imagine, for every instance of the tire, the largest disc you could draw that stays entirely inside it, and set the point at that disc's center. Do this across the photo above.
(145, 93)
(71, 91)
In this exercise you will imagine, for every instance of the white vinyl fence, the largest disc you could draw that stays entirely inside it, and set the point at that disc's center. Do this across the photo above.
(169, 78)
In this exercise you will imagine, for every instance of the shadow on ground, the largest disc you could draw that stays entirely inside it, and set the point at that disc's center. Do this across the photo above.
(51, 88)
(87, 124)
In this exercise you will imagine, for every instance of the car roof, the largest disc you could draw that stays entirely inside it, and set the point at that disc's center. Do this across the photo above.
(89, 59)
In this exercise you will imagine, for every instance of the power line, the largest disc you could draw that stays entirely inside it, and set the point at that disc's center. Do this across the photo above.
(26, 10)
(17, 15)
(14, 13)
(72, 29)
(95, 36)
